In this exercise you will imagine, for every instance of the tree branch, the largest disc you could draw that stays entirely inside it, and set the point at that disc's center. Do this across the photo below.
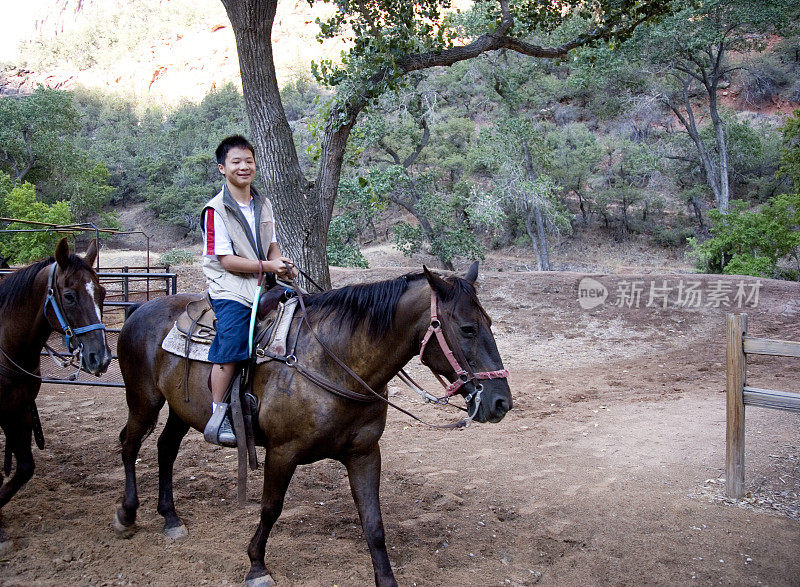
(497, 40)
(426, 135)
(391, 152)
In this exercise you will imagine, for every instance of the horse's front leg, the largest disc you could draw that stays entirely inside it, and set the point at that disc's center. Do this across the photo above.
(278, 471)
(364, 472)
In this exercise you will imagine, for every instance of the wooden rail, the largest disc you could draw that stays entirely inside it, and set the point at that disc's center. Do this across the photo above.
(739, 395)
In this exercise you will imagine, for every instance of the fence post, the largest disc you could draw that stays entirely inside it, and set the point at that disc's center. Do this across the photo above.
(736, 369)
(125, 285)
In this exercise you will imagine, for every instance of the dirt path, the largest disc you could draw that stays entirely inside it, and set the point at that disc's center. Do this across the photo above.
(609, 469)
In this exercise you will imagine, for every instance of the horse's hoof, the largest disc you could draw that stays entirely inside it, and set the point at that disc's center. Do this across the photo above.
(121, 529)
(262, 581)
(176, 532)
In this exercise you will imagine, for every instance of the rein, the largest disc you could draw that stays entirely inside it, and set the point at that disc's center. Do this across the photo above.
(348, 393)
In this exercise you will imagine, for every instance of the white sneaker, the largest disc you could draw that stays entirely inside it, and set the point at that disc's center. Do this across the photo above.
(226, 436)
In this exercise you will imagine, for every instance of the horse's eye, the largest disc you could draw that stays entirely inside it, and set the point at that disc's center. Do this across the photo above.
(469, 330)
(69, 297)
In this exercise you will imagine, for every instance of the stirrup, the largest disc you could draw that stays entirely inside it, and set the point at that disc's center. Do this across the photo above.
(212, 429)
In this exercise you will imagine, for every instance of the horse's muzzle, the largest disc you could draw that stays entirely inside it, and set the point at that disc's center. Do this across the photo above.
(495, 401)
(96, 362)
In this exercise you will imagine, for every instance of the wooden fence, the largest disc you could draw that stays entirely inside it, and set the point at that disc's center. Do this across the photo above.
(740, 394)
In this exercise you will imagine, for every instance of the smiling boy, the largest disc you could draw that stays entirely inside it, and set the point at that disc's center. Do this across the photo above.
(239, 244)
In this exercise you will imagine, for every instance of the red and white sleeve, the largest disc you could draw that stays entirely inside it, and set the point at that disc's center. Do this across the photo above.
(217, 241)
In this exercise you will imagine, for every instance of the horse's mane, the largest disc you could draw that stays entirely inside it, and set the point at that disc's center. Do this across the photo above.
(376, 302)
(16, 286)
(373, 302)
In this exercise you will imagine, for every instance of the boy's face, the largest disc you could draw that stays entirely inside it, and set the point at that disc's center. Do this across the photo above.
(239, 168)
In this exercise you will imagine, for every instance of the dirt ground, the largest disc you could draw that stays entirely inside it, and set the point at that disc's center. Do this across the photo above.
(609, 469)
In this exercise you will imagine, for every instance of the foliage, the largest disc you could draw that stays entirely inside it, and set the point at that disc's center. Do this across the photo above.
(753, 242)
(748, 242)
(19, 201)
(575, 155)
(109, 34)
(688, 54)
(356, 210)
(626, 171)
(519, 175)
(177, 257)
(162, 157)
(413, 156)
(385, 33)
(39, 143)
(447, 219)
(342, 248)
(790, 151)
(762, 80)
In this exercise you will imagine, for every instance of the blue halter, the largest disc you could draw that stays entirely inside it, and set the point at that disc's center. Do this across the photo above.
(69, 332)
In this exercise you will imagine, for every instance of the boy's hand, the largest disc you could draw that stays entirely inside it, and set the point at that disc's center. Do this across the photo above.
(278, 267)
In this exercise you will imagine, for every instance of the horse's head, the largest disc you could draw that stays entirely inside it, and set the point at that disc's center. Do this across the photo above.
(74, 300)
(475, 361)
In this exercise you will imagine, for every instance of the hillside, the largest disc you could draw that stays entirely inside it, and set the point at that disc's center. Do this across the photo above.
(166, 51)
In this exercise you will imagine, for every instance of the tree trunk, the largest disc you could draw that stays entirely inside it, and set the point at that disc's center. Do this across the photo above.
(424, 223)
(532, 233)
(584, 211)
(541, 234)
(302, 223)
(540, 239)
(716, 174)
(723, 197)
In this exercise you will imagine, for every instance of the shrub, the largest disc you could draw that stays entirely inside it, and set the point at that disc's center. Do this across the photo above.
(177, 257)
(749, 242)
(19, 201)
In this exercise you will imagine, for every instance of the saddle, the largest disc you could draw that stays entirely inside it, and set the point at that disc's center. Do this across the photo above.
(198, 323)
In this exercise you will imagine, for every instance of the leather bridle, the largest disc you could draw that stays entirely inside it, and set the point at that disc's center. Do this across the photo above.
(51, 300)
(464, 374)
(76, 358)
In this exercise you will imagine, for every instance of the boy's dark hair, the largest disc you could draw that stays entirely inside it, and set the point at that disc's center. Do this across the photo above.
(229, 143)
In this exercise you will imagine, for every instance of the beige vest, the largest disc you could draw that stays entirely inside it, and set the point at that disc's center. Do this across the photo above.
(227, 285)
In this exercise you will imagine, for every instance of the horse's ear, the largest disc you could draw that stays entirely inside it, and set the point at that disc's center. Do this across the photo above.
(472, 273)
(62, 253)
(439, 285)
(91, 253)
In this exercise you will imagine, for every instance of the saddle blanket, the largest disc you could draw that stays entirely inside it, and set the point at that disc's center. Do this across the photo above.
(274, 339)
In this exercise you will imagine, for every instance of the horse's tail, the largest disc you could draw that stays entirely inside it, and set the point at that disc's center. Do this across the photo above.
(130, 310)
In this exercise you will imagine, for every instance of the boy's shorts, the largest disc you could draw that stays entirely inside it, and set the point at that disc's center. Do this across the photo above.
(233, 325)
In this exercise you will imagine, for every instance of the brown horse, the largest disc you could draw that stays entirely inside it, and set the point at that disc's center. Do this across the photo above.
(375, 329)
(61, 293)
